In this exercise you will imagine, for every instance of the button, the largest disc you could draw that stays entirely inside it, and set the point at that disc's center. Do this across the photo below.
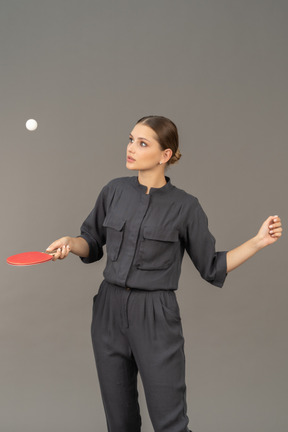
(128, 289)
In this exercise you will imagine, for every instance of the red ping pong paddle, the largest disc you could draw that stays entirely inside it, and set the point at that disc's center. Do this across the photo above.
(29, 258)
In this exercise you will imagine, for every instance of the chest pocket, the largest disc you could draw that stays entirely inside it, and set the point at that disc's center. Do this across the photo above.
(114, 237)
(157, 248)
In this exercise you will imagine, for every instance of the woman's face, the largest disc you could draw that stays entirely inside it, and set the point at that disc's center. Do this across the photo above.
(143, 150)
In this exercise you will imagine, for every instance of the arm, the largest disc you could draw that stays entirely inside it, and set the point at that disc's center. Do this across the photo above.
(200, 245)
(269, 233)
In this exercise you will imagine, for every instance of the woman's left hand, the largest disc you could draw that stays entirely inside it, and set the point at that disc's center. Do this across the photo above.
(270, 231)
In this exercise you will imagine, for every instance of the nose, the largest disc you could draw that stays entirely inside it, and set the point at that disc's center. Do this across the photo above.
(131, 148)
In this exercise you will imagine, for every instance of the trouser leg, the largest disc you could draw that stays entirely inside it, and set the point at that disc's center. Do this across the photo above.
(155, 336)
(116, 366)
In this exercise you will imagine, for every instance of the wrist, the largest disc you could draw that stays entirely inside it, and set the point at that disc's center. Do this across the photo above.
(71, 243)
(257, 243)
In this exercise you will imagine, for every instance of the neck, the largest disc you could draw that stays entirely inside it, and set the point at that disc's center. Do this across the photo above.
(151, 180)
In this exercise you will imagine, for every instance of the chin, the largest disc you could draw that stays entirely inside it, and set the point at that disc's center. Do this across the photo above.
(131, 168)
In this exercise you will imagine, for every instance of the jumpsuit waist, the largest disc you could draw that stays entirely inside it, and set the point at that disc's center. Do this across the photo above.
(134, 302)
(126, 288)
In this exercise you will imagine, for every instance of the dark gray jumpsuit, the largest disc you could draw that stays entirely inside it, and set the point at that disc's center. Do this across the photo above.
(136, 323)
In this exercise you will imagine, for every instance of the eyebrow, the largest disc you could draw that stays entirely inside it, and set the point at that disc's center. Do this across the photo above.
(140, 138)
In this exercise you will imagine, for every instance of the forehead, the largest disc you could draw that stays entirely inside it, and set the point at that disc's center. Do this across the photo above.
(144, 131)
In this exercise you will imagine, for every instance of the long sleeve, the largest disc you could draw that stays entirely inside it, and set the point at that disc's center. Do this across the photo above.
(200, 245)
(92, 229)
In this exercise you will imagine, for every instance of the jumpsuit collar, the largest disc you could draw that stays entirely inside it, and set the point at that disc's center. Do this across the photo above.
(166, 188)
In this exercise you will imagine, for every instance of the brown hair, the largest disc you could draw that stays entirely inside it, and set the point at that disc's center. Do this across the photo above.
(167, 134)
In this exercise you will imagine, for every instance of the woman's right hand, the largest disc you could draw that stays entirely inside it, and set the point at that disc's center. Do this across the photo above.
(62, 247)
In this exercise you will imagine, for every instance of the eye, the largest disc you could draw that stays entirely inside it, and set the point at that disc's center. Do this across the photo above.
(143, 144)
(131, 140)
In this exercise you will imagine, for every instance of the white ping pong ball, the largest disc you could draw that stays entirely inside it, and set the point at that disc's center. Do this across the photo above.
(31, 125)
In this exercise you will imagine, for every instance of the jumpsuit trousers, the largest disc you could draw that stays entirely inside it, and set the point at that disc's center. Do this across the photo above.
(139, 330)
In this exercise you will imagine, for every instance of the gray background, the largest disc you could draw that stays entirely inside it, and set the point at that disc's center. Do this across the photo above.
(87, 70)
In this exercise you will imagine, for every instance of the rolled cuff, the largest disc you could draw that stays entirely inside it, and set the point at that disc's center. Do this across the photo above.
(94, 253)
(221, 269)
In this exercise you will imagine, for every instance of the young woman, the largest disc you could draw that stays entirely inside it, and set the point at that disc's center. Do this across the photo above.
(147, 224)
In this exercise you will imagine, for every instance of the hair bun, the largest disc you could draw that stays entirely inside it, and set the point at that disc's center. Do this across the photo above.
(175, 158)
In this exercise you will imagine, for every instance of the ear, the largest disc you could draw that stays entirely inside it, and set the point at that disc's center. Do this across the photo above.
(166, 155)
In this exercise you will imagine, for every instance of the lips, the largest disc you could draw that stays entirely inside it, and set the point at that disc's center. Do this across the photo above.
(130, 159)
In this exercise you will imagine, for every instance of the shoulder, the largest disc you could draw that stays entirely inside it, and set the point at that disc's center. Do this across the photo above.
(119, 182)
(117, 185)
(187, 199)
(190, 208)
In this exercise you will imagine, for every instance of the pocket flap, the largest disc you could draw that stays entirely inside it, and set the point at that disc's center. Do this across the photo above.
(160, 234)
(113, 222)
